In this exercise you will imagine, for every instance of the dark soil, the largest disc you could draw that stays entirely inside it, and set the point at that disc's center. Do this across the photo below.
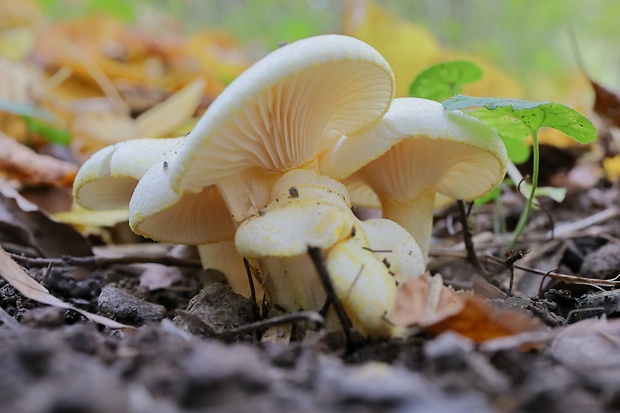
(180, 358)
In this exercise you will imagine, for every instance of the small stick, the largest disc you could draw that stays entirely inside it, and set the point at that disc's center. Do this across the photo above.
(572, 279)
(248, 271)
(319, 263)
(469, 243)
(511, 258)
(542, 281)
(94, 261)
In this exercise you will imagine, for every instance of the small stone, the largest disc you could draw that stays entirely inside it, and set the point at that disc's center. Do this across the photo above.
(124, 307)
(219, 308)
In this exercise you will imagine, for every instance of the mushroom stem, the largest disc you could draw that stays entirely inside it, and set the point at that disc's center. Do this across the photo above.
(223, 257)
(415, 215)
(247, 192)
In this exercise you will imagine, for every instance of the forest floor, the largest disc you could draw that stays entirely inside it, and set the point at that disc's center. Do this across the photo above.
(184, 355)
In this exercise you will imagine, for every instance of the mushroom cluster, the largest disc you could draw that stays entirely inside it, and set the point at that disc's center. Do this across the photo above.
(260, 177)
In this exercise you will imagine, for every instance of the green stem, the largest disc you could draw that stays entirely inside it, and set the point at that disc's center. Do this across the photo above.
(525, 215)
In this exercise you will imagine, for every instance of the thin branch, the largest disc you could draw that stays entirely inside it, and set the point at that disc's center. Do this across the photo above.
(319, 264)
(469, 243)
(94, 261)
(572, 279)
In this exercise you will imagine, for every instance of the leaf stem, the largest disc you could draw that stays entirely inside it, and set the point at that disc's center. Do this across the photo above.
(525, 215)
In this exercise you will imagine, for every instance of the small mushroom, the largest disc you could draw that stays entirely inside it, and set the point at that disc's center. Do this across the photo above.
(108, 178)
(202, 219)
(320, 216)
(420, 150)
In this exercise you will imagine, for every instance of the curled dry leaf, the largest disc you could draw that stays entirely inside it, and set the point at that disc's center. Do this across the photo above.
(95, 130)
(425, 302)
(23, 223)
(29, 288)
(28, 167)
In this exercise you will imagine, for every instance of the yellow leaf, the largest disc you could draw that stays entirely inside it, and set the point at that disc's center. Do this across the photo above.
(410, 48)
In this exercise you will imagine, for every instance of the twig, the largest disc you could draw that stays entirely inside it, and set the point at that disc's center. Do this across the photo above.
(94, 261)
(319, 263)
(248, 271)
(542, 281)
(511, 258)
(572, 279)
(563, 230)
(469, 243)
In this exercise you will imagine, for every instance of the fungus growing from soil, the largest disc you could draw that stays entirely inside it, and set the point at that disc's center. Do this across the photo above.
(258, 147)
(108, 178)
(133, 174)
(421, 150)
(259, 143)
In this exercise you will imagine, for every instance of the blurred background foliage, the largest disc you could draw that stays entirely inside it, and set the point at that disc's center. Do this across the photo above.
(530, 41)
(64, 56)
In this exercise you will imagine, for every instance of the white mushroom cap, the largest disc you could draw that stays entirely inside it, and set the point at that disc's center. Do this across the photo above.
(307, 210)
(157, 212)
(366, 270)
(285, 109)
(107, 179)
(420, 149)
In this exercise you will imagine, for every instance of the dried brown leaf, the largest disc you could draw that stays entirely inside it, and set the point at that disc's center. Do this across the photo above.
(606, 103)
(24, 223)
(29, 288)
(28, 167)
(425, 302)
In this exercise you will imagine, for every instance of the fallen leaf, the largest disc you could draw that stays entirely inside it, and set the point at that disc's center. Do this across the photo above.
(426, 303)
(92, 218)
(410, 48)
(606, 103)
(94, 130)
(30, 168)
(172, 113)
(23, 223)
(29, 288)
(590, 347)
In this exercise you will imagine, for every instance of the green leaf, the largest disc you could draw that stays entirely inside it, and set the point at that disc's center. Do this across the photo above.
(518, 151)
(508, 126)
(464, 102)
(556, 193)
(443, 80)
(533, 115)
(48, 131)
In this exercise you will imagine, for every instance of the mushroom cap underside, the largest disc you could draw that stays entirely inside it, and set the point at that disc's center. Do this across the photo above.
(108, 178)
(285, 109)
(420, 145)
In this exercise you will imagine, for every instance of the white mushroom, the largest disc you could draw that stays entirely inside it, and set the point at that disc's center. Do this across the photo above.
(134, 174)
(420, 150)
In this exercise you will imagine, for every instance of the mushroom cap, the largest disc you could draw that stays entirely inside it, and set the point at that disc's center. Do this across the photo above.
(285, 109)
(420, 145)
(315, 212)
(395, 247)
(363, 285)
(108, 178)
(159, 213)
